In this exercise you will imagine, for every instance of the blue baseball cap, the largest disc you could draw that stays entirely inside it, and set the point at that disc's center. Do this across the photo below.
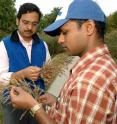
(78, 9)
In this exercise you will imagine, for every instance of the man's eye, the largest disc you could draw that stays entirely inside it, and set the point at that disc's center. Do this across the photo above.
(25, 22)
(64, 33)
(35, 24)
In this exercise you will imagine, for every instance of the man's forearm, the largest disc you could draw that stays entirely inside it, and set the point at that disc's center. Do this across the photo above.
(18, 75)
(5, 78)
(43, 118)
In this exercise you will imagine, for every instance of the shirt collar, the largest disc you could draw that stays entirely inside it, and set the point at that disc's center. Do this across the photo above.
(23, 41)
(90, 56)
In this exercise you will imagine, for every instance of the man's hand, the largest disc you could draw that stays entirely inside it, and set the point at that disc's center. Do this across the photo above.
(47, 99)
(21, 99)
(31, 73)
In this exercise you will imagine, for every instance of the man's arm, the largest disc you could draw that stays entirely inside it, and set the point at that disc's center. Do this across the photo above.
(87, 104)
(47, 99)
(31, 72)
(21, 99)
(4, 65)
(48, 57)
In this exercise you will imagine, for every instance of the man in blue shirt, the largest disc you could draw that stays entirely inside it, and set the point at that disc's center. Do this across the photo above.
(23, 54)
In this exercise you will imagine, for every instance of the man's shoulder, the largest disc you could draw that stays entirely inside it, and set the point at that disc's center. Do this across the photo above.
(102, 67)
(36, 38)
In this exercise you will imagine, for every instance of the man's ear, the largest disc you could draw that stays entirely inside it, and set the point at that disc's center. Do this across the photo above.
(90, 27)
(17, 21)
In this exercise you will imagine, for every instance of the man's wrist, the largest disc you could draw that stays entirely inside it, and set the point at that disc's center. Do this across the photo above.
(17, 75)
(35, 108)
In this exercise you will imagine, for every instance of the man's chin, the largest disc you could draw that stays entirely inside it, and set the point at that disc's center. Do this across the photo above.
(28, 35)
(68, 53)
(71, 54)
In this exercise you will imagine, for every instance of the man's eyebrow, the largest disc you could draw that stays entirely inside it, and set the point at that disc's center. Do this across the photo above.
(61, 30)
(29, 21)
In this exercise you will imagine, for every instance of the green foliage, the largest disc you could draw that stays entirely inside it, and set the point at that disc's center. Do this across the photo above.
(1, 114)
(7, 15)
(1, 117)
(111, 40)
(2, 34)
(48, 18)
(112, 22)
(52, 43)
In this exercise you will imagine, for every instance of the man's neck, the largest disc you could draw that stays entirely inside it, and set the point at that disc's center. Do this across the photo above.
(25, 39)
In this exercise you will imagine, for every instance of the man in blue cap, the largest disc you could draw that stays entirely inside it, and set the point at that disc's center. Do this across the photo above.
(90, 94)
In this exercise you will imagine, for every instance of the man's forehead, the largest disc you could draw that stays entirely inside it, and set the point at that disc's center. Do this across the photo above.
(69, 25)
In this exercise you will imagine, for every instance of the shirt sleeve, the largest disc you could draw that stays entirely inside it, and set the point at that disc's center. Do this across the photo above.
(48, 57)
(4, 65)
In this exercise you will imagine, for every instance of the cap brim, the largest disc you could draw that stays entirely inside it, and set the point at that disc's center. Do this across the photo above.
(53, 29)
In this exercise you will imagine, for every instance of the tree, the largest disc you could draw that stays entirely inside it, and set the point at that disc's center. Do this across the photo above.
(7, 15)
(112, 22)
(48, 18)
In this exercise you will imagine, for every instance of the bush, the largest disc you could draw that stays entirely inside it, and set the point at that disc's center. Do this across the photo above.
(2, 34)
(52, 43)
(112, 22)
(111, 40)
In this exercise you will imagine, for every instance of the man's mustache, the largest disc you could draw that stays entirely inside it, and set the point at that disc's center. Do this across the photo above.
(29, 31)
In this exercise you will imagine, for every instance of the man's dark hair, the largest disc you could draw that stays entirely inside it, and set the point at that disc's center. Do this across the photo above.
(100, 26)
(27, 8)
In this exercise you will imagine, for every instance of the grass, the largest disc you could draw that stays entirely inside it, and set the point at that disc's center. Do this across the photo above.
(1, 116)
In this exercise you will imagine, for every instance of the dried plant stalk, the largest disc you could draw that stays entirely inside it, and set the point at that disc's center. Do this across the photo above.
(48, 72)
(31, 88)
(55, 67)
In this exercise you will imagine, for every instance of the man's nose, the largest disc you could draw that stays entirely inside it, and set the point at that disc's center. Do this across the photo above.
(61, 39)
(30, 26)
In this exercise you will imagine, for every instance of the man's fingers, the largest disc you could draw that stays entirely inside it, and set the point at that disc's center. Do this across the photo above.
(12, 92)
(14, 105)
(35, 68)
(43, 100)
(35, 74)
(15, 91)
